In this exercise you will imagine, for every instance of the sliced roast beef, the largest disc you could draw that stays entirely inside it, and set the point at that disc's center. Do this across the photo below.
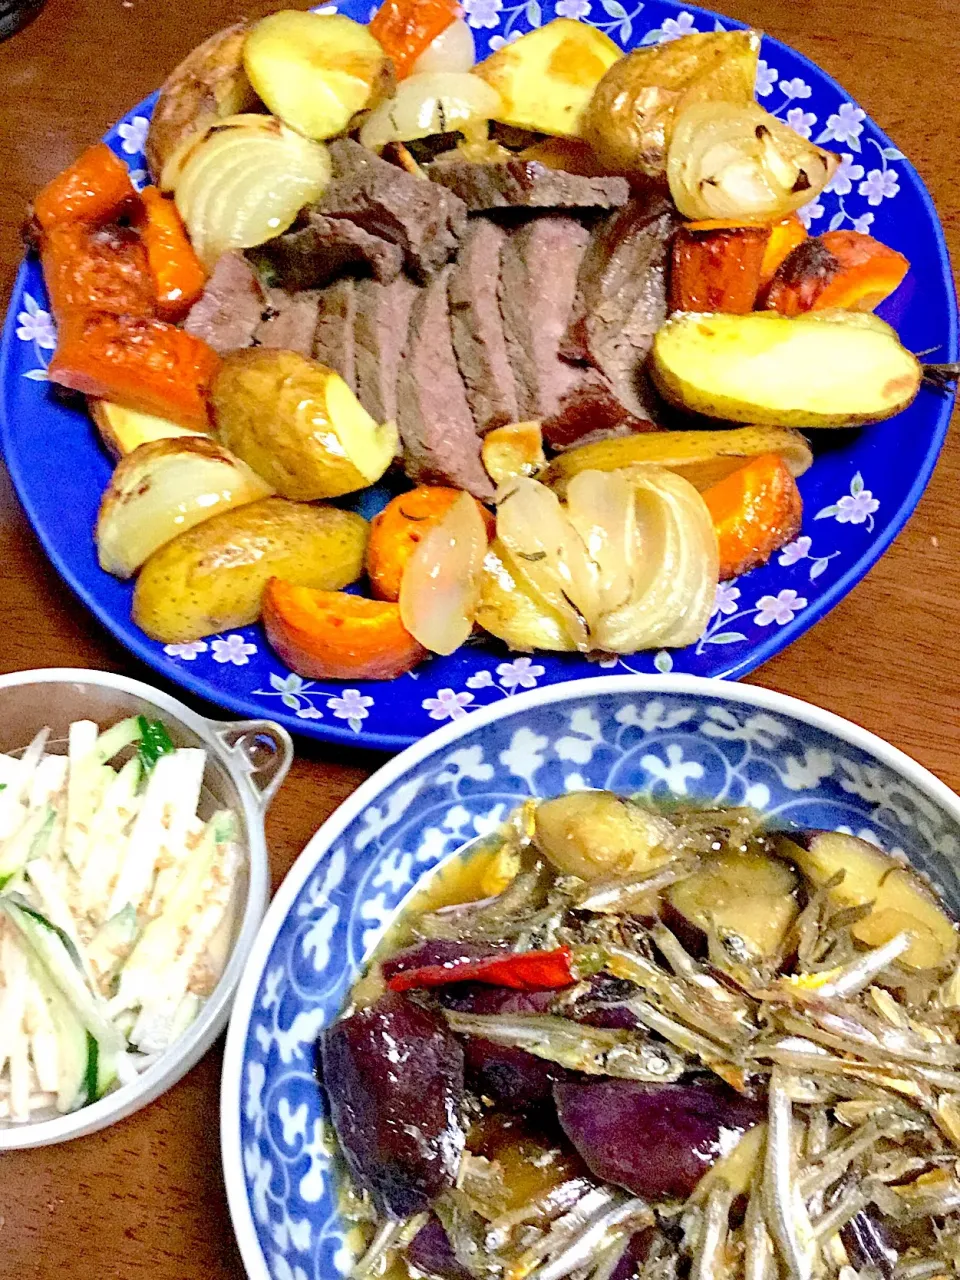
(526, 184)
(380, 332)
(229, 310)
(440, 442)
(590, 410)
(424, 219)
(324, 248)
(290, 321)
(334, 339)
(622, 299)
(477, 327)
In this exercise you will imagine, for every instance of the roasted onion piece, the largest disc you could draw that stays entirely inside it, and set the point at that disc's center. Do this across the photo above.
(730, 161)
(437, 102)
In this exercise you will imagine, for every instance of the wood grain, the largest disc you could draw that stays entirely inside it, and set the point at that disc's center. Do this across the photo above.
(145, 1199)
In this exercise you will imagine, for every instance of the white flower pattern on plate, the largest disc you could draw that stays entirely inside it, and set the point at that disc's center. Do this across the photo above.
(447, 705)
(879, 185)
(794, 551)
(856, 507)
(497, 42)
(573, 8)
(810, 212)
(351, 706)
(766, 78)
(845, 125)
(841, 184)
(188, 651)
(681, 25)
(482, 13)
(36, 325)
(233, 649)
(801, 121)
(725, 601)
(779, 608)
(863, 223)
(795, 88)
(134, 135)
(522, 673)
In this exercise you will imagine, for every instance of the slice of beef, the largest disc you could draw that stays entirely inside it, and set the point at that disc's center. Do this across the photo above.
(227, 313)
(588, 411)
(333, 343)
(424, 219)
(290, 321)
(477, 327)
(316, 253)
(380, 332)
(526, 184)
(440, 442)
(622, 299)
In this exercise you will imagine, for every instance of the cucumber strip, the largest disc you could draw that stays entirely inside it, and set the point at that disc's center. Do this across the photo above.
(155, 741)
(54, 907)
(13, 965)
(87, 780)
(13, 807)
(109, 836)
(32, 835)
(16, 1041)
(111, 945)
(113, 740)
(49, 780)
(44, 1050)
(53, 950)
(168, 805)
(73, 1049)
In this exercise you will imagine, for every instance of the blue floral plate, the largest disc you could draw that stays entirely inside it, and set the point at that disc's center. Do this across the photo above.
(857, 496)
(671, 735)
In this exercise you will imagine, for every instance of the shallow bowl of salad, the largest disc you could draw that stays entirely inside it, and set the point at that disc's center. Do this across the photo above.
(133, 878)
(541, 866)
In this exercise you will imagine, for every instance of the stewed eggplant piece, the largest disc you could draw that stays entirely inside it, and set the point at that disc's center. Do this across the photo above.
(596, 833)
(394, 1077)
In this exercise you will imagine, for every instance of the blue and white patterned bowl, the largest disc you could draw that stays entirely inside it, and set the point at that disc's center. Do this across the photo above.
(857, 496)
(670, 735)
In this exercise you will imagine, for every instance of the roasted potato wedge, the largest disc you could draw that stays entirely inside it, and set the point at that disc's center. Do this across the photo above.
(213, 576)
(598, 833)
(823, 369)
(298, 424)
(122, 430)
(514, 450)
(546, 78)
(702, 457)
(316, 70)
(162, 489)
(629, 121)
(900, 900)
(510, 611)
(209, 85)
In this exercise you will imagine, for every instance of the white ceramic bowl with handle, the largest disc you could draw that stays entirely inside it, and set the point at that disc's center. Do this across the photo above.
(246, 762)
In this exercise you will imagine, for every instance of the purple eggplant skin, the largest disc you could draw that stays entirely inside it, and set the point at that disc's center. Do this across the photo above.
(635, 1254)
(517, 1080)
(431, 1252)
(394, 1076)
(438, 951)
(475, 997)
(656, 1140)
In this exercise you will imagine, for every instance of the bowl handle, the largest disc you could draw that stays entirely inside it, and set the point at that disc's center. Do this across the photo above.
(261, 750)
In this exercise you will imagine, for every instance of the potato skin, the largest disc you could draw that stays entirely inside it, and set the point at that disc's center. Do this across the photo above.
(213, 576)
(208, 85)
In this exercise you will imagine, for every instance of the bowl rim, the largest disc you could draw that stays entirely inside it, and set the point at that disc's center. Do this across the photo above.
(616, 686)
(171, 1066)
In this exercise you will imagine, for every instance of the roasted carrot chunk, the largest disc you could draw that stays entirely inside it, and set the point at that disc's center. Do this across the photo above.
(839, 269)
(177, 273)
(96, 269)
(96, 188)
(329, 635)
(756, 510)
(406, 27)
(137, 362)
(784, 238)
(716, 268)
(395, 532)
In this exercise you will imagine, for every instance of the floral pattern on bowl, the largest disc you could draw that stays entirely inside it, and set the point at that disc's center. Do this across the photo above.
(861, 490)
(695, 739)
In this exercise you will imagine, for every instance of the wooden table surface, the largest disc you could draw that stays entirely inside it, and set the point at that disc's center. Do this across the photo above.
(146, 1197)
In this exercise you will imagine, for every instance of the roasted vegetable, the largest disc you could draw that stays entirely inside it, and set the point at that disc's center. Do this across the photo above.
(738, 161)
(177, 273)
(209, 85)
(123, 430)
(434, 103)
(510, 610)
(400, 527)
(452, 50)
(785, 235)
(95, 189)
(440, 585)
(432, 1254)
(716, 268)
(396, 1116)
(316, 70)
(213, 576)
(655, 1140)
(572, 155)
(298, 424)
(405, 29)
(89, 269)
(329, 635)
(825, 369)
(546, 79)
(245, 180)
(597, 833)
(838, 269)
(631, 115)
(899, 900)
(439, 963)
(744, 893)
(143, 364)
(517, 1080)
(164, 488)
(702, 457)
(756, 510)
(514, 450)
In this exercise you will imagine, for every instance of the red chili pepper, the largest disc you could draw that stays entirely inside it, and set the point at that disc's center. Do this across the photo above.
(520, 970)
